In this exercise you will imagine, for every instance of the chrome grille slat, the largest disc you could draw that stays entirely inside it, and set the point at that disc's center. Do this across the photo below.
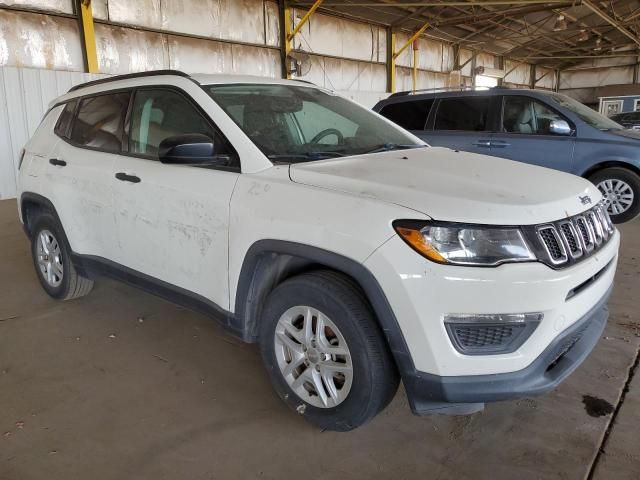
(571, 239)
(568, 240)
(553, 244)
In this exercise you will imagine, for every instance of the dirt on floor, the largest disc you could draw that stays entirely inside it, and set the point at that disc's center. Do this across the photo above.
(124, 385)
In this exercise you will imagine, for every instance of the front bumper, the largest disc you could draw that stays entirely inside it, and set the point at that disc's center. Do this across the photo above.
(431, 393)
(438, 376)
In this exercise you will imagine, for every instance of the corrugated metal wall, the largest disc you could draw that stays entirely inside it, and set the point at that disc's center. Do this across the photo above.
(230, 36)
(25, 95)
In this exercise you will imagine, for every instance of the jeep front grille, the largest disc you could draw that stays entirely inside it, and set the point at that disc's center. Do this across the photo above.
(566, 241)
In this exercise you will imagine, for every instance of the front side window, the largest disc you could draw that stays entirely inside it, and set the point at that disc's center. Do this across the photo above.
(411, 115)
(526, 115)
(100, 120)
(293, 123)
(587, 115)
(463, 113)
(158, 114)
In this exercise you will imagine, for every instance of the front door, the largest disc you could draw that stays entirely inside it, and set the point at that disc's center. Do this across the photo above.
(526, 135)
(172, 220)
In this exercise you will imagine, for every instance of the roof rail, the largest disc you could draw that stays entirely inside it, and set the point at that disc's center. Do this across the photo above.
(128, 76)
(441, 89)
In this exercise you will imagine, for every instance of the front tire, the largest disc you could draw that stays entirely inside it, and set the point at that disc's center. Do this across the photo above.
(325, 355)
(621, 190)
(52, 260)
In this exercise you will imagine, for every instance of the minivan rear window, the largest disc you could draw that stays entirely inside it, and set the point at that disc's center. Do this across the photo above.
(410, 115)
(463, 113)
(100, 121)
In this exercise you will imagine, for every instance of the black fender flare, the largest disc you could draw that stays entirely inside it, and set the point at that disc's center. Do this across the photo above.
(27, 198)
(260, 270)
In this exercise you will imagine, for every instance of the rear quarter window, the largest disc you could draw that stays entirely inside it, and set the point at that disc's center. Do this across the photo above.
(63, 125)
(410, 115)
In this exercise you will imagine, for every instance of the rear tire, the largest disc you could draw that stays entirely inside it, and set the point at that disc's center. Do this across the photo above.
(621, 189)
(52, 260)
(339, 372)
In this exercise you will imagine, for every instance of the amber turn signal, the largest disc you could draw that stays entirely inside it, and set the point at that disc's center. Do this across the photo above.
(419, 243)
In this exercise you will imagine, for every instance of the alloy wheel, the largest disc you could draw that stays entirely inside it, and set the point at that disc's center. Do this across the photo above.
(49, 258)
(313, 357)
(618, 195)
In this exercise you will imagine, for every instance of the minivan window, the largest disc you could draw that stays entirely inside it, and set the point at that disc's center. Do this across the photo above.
(463, 113)
(291, 123)
(586, 114)
(66, 117)
(99, 123)
(527, 116)
(158, 114)
(411, 115)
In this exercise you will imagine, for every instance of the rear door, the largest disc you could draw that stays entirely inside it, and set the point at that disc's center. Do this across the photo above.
(79, 176)
(525, 135)
(461, 123)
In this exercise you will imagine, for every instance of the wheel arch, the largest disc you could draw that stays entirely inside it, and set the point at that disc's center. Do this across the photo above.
(269, 262)
(609, 164)
(30, 205)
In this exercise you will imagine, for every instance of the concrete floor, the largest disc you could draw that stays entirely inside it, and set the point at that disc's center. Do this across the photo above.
(123, 385)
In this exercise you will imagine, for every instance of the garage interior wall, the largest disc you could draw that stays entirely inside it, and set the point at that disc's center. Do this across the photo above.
(40, 40)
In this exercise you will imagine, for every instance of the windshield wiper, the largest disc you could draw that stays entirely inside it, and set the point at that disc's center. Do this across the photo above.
(387, 147)
(305, 157)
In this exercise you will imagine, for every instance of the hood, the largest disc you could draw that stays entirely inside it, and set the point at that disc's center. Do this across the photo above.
(455, 186)
(628, 133)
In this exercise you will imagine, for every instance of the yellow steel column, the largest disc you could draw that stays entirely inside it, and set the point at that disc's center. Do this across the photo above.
(391, 63)
(415, 65)
(393, 55)
(289, 34)
(288, 39)
(88, 36)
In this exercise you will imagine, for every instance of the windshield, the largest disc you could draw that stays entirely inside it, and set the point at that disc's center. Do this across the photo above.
(590, 116)
(292, 123)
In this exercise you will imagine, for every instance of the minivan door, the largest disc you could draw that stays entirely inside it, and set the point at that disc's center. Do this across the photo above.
(172, 220)
(461, 123)
(526, 134)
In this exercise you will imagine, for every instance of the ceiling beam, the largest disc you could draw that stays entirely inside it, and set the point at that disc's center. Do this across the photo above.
(445, 3)
(605, 16)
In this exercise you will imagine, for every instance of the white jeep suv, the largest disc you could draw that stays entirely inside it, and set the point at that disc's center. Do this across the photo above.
(353, 253)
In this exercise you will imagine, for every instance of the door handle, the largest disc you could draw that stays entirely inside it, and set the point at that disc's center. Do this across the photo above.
(57, 162)
(127, 178)
(483, 143)
(499, 144)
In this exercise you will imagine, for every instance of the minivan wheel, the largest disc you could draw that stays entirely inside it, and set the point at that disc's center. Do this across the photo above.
(51, 258)
(325, 355)
(621, 190)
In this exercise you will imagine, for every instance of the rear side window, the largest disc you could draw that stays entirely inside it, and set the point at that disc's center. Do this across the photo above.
(100, 120)
(463, 113)
(410, 115)
(64, 121)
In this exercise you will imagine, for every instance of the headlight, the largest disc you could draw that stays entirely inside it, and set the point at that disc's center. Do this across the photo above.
(460, 244)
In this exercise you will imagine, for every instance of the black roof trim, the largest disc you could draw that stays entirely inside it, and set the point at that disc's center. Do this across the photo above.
(447, 89)
(127, 76)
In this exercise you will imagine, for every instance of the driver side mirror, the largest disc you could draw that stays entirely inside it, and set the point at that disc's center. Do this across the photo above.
(559, 127)
(190, 149)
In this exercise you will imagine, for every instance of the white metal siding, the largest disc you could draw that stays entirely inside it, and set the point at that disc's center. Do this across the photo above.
(25, 95)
